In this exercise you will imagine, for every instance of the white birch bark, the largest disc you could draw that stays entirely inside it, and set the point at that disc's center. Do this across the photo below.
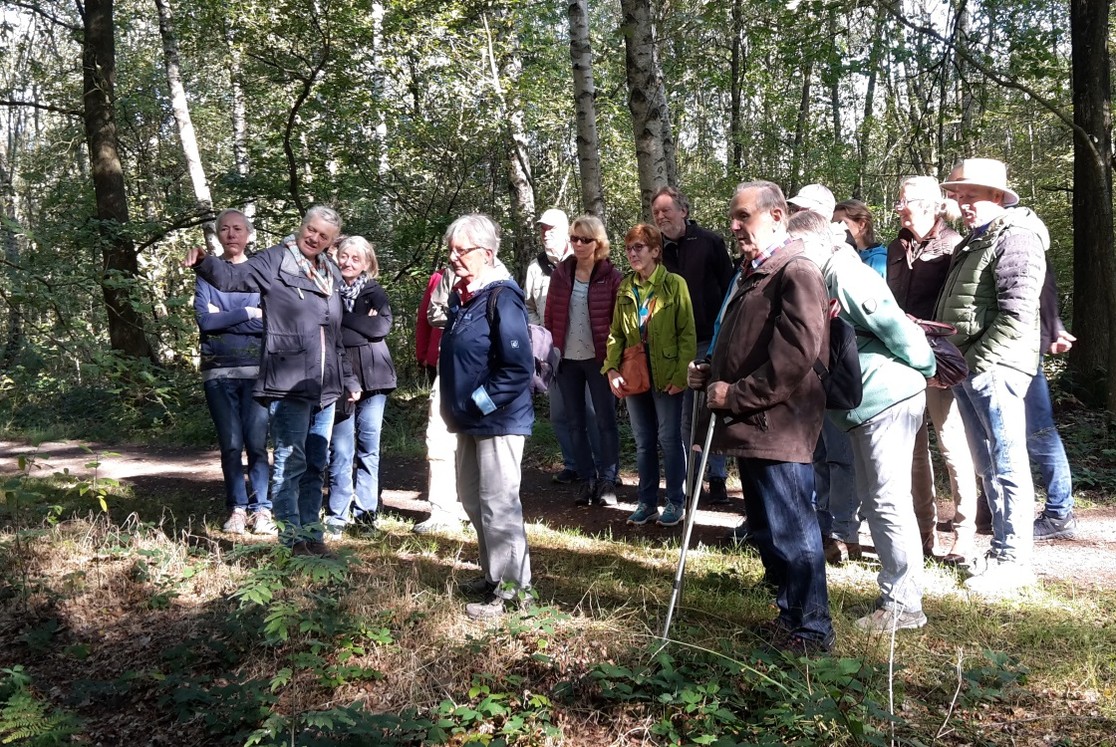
(647, 102)
(585, 108)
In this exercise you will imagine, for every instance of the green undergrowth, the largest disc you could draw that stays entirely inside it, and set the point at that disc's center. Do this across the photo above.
(124, 631)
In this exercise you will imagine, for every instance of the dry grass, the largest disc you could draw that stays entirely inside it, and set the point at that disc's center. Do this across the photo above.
(100, 613)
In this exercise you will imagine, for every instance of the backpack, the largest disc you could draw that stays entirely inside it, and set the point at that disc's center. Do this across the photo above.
(543, 351)
(844, 388)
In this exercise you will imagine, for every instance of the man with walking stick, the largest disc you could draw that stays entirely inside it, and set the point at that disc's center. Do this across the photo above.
(768, 405)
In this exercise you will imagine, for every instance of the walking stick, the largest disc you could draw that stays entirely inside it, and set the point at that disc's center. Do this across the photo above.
(693, 491)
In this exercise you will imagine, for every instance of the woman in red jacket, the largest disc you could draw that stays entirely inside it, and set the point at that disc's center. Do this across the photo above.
(578, 314)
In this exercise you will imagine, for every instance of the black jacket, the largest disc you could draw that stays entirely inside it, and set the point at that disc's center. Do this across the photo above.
(302, 357)
(700, 258)
(364, 338)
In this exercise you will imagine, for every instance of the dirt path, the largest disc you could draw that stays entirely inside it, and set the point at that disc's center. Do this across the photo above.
(1086, 561)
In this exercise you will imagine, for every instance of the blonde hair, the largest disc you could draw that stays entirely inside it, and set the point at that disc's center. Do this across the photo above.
(591, 226)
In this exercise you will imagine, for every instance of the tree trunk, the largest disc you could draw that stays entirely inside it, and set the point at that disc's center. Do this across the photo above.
(864, 137)
(798, 152)
(737, 68)
(185, 123)
(517, 155)
(588, 145)
(239, 117)
(647, 102)
(127, 331)
(9, 219)
(1094, 264)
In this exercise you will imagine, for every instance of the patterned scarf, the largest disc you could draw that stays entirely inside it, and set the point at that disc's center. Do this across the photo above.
(349, 292)
(320, 277)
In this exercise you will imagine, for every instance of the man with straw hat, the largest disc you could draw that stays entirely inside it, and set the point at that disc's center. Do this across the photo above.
(991, 296)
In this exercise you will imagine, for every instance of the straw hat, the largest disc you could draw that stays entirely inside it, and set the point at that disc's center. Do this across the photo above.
(981, 172)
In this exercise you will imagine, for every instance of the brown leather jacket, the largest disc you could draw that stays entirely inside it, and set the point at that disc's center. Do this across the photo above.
(775, 326)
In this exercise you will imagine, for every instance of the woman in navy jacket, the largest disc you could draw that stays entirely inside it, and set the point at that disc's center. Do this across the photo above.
(364, 327)
(485, 370)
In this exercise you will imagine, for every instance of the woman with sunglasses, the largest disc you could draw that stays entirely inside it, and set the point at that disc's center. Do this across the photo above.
(578, 313)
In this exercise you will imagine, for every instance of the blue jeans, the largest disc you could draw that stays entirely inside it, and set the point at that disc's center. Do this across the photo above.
(835, 498)
(241, 424)
(301, 432)
(1045, 448)
(656, 424)
(784, 528)
(574, 377)
(559, 421)
(356, 435)
(718, 463)
(992, 406)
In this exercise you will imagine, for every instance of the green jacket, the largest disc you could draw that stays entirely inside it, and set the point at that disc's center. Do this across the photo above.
(992, 293)
(671, 337)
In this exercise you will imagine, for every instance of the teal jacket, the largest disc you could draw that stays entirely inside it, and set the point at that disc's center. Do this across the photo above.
(895, 359)
(992, 293)
(671, 336)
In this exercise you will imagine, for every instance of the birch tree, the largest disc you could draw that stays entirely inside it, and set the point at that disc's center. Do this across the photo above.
(585, 110)
(647, 103)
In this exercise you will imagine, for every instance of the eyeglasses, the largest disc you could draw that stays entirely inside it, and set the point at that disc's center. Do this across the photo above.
(582, 239)
(462, 252)
(636, 248)
(904, 203)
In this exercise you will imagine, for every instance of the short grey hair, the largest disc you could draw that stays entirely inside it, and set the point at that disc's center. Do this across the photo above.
(482, 230)
(812, 228)
(770, 195)
(322, 213)
(233, 211)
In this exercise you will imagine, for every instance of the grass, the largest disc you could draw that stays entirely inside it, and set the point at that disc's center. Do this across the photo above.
(142, 622)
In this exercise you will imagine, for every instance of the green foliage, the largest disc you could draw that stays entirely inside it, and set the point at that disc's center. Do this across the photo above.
(27, 719)
(708, 698)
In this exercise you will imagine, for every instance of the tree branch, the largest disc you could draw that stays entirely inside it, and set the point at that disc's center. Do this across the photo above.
(44, 107)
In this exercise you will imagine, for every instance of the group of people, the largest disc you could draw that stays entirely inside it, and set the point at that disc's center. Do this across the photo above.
(747, 336)
(293, 344)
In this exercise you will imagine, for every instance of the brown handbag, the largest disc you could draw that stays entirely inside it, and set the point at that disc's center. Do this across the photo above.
(633, 368)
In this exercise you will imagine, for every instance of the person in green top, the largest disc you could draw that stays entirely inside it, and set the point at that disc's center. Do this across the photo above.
(654, 305)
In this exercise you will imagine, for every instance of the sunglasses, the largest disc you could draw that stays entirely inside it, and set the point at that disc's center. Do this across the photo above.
(582, 239)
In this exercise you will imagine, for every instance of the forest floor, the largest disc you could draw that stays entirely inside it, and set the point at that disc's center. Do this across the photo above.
(150, 470)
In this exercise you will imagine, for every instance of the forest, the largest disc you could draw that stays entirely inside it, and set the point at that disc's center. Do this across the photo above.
(128, 124)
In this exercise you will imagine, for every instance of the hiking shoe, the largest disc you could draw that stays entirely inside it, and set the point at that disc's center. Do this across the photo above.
(643, 514)
(718, 494)
(672, 515)
(887, 619)
(333, 532)
(477, 587)
(260, 522)
(606, 496)
(1049, 528)
(493, 607)
(838, 552)
(797, 644)
(237, 521)
(587, 493)
(315, 548)
(434, 526)
(566, 477)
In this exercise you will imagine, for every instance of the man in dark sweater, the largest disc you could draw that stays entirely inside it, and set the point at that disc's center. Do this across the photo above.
(699, 256)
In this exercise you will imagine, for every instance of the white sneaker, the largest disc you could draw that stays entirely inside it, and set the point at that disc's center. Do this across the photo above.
(435, 525)
(260, 522)
(1001, 577)
(237, 521)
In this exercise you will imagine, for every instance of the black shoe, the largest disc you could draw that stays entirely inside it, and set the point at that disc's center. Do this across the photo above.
(587, 493)
(797, 645)
(366, 522)
(1049, 528)
(606, 496)
(718, 495)
(740, 534)
(477, 587)
(565, 477)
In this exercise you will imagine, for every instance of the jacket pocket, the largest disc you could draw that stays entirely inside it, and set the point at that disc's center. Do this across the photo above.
(285, 364)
